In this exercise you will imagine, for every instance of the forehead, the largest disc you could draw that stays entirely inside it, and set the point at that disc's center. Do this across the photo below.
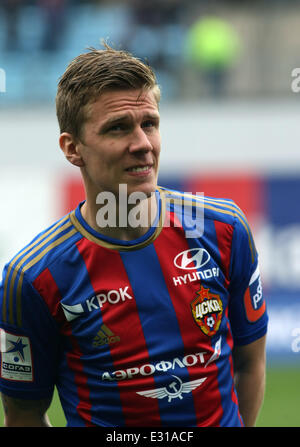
(122, 102)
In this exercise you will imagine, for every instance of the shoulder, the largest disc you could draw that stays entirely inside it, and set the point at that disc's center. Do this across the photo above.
(218, 209)
(43, 249)
(25, 267)
(221, 214)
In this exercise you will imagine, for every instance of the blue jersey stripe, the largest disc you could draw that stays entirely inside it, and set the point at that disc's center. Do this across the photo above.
(161, 329)
(230, 416)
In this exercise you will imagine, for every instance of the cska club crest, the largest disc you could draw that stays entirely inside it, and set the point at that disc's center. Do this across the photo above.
(207, 311)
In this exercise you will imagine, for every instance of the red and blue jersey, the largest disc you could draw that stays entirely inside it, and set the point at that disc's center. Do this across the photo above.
(134, 333)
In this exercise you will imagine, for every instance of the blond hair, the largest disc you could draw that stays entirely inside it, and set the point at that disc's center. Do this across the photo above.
(95, 72)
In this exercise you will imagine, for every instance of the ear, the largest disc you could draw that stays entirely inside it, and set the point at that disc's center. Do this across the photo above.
(71, 149)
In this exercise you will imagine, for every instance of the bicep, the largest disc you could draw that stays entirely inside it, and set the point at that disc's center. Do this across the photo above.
(25, 412)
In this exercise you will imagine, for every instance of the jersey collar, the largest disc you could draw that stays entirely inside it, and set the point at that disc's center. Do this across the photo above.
(115, 244)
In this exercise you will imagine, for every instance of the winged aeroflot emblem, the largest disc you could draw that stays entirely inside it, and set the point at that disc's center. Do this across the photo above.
(173, 390)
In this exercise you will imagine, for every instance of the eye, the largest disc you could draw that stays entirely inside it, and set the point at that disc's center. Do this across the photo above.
(149, 124)
(117, 128)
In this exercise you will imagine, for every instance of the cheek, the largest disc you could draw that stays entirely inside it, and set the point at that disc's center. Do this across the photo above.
(157, 148)
(96, 156)
(156, 143)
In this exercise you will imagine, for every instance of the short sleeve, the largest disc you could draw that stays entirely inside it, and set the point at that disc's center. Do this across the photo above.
(247, 307)
(28, 338)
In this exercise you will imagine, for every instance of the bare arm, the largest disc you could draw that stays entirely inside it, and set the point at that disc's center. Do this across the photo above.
(25, 413)
(249, 376)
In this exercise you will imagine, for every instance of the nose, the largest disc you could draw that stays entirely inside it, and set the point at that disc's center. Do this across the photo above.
(140, 141)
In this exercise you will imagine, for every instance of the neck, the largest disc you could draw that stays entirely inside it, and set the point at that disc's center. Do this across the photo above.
(120, 222)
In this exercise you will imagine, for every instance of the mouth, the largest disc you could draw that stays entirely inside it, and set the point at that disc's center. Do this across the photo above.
(140, 170)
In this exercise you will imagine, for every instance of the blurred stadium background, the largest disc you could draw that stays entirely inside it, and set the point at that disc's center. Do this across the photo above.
(230, 128)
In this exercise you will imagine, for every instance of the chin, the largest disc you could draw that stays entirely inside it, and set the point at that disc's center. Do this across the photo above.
(147, 188)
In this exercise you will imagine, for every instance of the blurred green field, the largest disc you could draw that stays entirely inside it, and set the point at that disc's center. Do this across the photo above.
(281, 406)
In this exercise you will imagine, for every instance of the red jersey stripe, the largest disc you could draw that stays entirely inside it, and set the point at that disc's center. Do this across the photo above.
(208, 409)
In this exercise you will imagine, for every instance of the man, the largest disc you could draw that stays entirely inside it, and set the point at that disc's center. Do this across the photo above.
(136, 320)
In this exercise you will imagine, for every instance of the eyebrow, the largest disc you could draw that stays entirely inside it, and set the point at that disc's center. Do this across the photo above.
(124, 117)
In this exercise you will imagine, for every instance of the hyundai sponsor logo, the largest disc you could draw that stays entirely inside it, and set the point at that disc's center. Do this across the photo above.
(193, 258)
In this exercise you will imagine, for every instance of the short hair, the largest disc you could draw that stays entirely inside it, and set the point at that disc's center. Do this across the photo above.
(93, 73)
